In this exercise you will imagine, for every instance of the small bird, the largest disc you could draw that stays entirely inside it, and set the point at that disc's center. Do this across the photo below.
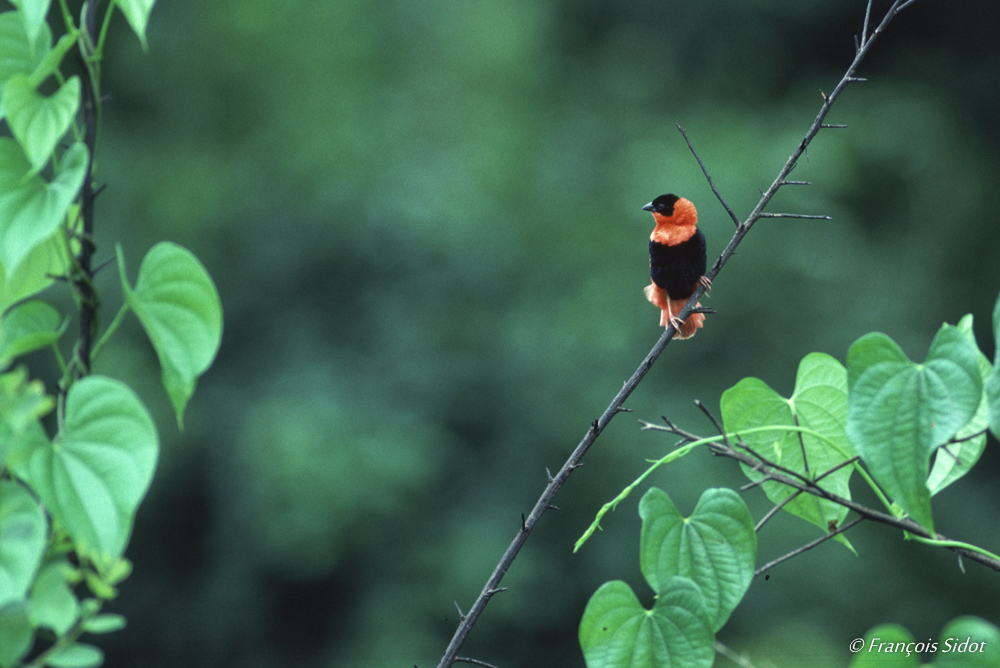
(677, 262)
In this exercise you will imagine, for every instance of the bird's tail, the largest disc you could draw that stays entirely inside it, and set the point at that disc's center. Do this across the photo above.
(669, 308)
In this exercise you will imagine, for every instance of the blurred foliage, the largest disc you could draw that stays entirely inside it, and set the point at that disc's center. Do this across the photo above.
(423, 219)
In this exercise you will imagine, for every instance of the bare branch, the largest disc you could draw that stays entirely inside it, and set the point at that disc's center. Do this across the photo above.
(808, 546)
(795, 215)
(711, 184)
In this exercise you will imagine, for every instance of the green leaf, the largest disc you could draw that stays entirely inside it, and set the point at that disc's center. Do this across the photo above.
(22, 541)
(137, 13)
(179, 307)
(819, 403)
(30, 208)
(899, 412)
(968, 642)
(39, 122)
(33, 13)
(30, 326)
(617, 632)
(18, 53)
(53, 604)
(95, 473)
(106, 623)
(77, 655)
(16, 635)
(954, 460)
(715, 547)
(38, 270)
(885, 647)
(993, 384)
(22, 403)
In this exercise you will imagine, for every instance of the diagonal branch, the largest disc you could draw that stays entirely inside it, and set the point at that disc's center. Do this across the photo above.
(597, 426)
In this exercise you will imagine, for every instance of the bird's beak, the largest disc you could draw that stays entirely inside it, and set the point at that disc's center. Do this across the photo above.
(648, 207)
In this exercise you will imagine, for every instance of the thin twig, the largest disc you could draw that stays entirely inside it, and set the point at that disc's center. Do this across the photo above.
(711, 183)
(550, 491)
(794, 215)
(808, 546)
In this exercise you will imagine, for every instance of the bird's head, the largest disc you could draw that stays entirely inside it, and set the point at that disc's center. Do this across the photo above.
(663, 205)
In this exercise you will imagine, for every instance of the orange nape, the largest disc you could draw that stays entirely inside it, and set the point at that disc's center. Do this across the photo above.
(669, 308)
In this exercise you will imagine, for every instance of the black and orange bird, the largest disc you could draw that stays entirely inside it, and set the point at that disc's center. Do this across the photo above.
(677, 262)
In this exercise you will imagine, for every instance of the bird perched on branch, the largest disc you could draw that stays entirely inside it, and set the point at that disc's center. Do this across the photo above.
(677, 262)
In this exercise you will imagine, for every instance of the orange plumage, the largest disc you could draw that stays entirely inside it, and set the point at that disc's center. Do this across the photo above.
(677, 262)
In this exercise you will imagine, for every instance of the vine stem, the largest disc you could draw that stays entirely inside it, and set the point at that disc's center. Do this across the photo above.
(556, 482)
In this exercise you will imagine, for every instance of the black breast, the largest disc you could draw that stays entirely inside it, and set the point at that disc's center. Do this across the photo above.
(677, 268)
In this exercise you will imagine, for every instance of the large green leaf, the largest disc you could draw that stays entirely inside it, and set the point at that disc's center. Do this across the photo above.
(715, 547)
(39, 269)
(33, 13)
(53, 604)
(30, 208)
(819, 404)
(993, 383)
(968, 642)
(95, 473)
(137, 13)
(22, 541)
(39, 122)
(899, 412)
(617, 632)
(29, 326)
(18, 52)
(179, 307)
(956, 459)
(16, 634)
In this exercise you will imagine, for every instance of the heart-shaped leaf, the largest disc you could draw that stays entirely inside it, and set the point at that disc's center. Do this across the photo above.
(819, 403)
(39, 122)
(30, 208)
(715, 547)
(899, 412)
(179, 307)
(95, 473)
(18, 52)
(617, 632)
(29, 326)
(22, 541)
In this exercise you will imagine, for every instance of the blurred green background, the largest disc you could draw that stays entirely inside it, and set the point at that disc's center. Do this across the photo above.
(424, 221)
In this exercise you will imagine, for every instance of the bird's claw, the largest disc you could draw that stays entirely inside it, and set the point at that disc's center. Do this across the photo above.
(706, 283)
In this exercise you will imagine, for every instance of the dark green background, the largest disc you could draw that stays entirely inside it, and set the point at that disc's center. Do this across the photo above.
(424, 221)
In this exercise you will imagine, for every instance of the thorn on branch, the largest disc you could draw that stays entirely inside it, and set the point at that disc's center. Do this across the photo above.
(523, 527)
(794, 215)
(703, 309)
(497, 590)
(622, 409)
(856, 79)
(825, 98)
(461, 615)
(796, 183)
(549, 474)
(553, 506)
(831, 126)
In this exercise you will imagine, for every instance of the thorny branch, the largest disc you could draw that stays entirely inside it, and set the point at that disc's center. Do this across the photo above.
(597, 426)
(776, 473)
